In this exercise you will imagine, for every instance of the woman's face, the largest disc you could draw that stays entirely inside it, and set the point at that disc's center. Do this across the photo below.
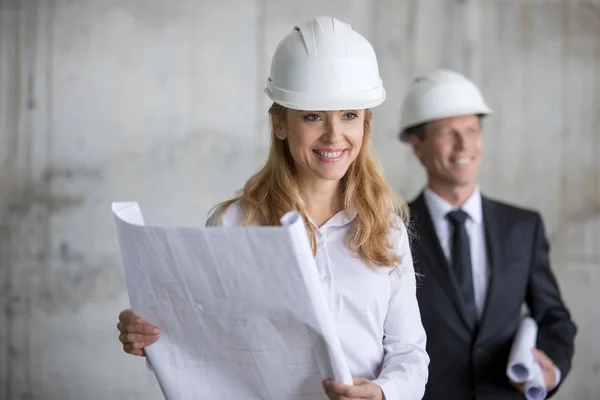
(323, 144)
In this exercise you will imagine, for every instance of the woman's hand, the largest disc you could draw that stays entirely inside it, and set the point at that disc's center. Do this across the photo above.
(136, 333)
(362, 389)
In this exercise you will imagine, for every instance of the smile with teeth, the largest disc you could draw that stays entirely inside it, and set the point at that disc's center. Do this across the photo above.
(325, 154)
(462, 160)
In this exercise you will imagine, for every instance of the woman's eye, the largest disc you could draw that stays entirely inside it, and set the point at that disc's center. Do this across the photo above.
(311, 117)
(350, 116)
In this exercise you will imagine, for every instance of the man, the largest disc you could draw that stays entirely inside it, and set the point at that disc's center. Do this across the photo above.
(480, 259)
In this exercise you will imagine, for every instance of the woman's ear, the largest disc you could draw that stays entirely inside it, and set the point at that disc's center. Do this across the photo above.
(279, 126)
(281, 133)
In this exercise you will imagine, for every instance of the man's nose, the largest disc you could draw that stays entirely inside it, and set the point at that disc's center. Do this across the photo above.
(460, 140)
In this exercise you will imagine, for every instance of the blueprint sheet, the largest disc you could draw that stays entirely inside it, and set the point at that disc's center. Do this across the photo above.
(241, 310)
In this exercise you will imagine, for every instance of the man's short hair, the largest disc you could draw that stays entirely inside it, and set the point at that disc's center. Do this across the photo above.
(419, 130)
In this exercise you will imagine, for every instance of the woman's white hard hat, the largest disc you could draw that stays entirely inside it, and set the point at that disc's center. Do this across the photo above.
(324, 64)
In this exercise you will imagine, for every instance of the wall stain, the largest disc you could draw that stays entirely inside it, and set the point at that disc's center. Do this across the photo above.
(40, 278)
(77, 282)
(53, 202)
(59, 276)
(13, 113)
(70, 173)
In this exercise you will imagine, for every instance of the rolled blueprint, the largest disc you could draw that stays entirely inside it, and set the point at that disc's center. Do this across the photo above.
(521, 360)
(522, 366)
(535, 387)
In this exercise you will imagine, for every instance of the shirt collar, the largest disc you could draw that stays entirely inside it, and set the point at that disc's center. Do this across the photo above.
(438, 207)
(342, 218)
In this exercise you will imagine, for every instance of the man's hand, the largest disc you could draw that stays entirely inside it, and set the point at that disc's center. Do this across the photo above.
(548, 371)
(548, 368)
(362, 389)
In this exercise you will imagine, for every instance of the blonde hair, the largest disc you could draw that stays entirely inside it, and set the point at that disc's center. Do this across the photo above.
(273, 191)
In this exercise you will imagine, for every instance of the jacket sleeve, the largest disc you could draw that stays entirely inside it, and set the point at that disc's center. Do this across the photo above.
(556, 333)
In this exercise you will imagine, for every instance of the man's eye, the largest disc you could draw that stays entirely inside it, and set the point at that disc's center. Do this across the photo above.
(311, 117)
(350, 116)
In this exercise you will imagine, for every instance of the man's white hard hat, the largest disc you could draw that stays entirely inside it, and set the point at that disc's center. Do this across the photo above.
(441, 94)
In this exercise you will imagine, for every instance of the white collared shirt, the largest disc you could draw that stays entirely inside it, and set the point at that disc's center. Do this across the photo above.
(376, 310)
(438, 208)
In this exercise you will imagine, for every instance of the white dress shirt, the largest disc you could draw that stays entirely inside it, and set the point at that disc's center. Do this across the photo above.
(375, 310)
(438, 208)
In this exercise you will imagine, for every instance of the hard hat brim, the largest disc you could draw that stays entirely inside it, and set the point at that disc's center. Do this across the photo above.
(308, 102)
(403, 135)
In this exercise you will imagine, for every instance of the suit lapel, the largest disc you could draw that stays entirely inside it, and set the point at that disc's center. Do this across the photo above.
(431, 252)
(495, 233)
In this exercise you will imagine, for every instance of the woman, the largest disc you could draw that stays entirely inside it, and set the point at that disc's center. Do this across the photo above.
(320, 164)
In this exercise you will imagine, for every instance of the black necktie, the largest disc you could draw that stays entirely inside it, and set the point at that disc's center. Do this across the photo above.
(461, 261)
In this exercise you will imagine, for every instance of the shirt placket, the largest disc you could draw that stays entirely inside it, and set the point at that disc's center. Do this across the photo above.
(324, 266)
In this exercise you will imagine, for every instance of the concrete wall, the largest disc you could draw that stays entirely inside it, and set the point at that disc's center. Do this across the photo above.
(161, 102)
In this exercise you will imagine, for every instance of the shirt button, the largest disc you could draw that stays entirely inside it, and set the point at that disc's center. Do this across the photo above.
(327, 278)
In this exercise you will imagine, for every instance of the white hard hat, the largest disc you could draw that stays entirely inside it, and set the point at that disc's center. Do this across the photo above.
(324, 64)
(441, 94)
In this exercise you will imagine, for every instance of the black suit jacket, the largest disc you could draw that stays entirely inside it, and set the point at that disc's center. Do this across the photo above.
(469, 362)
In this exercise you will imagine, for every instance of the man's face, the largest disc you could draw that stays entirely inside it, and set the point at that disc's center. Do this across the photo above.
(451, 150)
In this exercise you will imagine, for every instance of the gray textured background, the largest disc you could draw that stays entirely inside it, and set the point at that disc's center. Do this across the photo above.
(161, 102)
